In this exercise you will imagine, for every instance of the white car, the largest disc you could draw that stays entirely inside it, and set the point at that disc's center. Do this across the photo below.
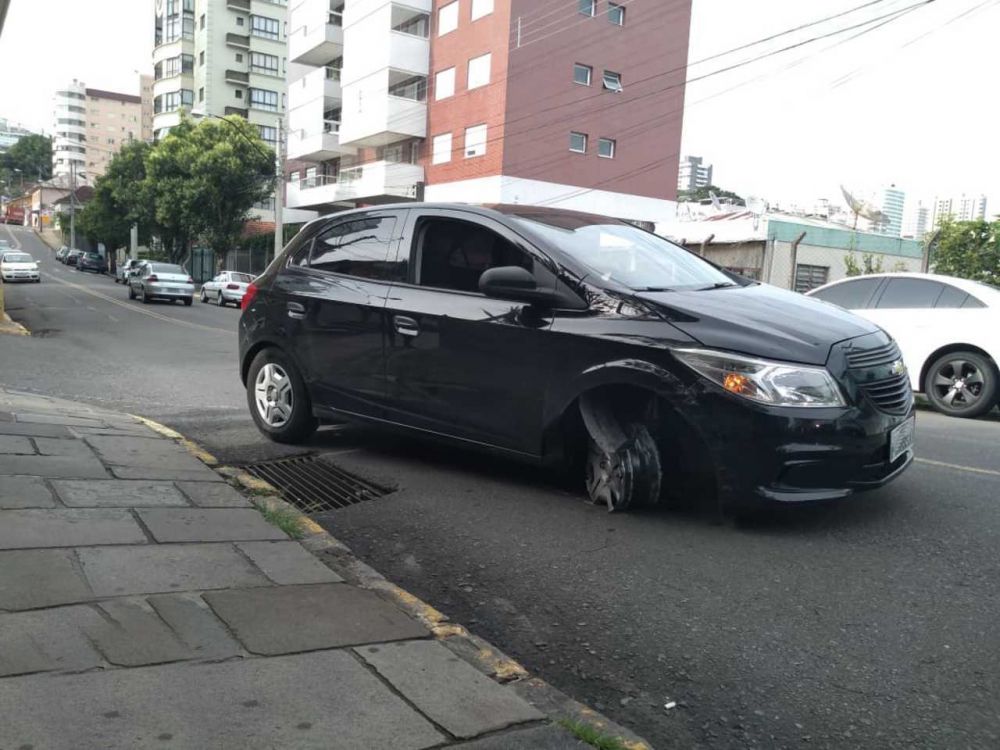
(228, 286)
(18, 266)
(948, 331)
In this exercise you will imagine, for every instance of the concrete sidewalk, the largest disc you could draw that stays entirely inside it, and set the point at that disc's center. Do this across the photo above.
(144, 602)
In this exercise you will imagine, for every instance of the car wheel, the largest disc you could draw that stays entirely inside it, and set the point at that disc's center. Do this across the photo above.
(204, 297)
(131, 292)
(278, 400)
(221, 301)
(188, 301)
(962, 384)
(145, 299)
(627, 478)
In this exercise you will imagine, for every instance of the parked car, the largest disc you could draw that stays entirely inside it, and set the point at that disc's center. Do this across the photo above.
(577, 340)
(73, 257)
(61, 254)
(18, 266)
(166, 281)
(125, 269)
(92, 262)
(947, 328)
(228, 286)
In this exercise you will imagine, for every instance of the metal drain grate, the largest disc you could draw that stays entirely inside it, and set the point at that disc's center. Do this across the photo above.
(314, 486)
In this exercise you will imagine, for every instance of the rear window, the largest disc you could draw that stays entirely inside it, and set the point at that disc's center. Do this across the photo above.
(17, 258)
(93, 256)
(850, 295)
(243, 278)
(166, 268)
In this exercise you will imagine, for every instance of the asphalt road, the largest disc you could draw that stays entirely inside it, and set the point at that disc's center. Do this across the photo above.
(868, 623)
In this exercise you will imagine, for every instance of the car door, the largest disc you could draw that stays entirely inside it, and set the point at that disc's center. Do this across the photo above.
(334, 294)
(457, 362)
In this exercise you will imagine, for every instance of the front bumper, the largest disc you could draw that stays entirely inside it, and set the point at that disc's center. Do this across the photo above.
(20, 275)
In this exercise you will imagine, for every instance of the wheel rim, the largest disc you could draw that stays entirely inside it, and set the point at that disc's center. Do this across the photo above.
(605, 478)
(958, 383)
(273, 395)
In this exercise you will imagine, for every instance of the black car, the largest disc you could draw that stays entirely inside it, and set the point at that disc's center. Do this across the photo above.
(73, 257)
(578, 340)
(92, 262)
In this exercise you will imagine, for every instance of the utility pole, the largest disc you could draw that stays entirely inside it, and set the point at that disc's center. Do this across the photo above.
(279, 190)
(72, 205)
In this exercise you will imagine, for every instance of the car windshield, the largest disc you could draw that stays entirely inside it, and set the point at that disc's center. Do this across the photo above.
(166, 268)
(17, 258)
(93, 256)
(627, 255)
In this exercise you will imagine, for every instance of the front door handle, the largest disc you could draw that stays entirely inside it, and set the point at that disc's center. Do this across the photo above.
(405, 326)
(296, 310)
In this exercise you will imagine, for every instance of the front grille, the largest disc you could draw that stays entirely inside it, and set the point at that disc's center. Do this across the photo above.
(883, 355)
(891, 395)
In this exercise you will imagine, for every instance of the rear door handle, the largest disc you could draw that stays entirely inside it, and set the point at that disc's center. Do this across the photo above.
(296, 310)
(405, 326)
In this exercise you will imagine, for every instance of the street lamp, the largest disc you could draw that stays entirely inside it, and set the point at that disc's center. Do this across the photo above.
(21, 183)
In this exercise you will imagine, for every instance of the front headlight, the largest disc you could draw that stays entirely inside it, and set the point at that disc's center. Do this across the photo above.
(773, 383)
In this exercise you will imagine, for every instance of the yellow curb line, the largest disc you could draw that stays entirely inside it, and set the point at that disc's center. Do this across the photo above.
(502, 667)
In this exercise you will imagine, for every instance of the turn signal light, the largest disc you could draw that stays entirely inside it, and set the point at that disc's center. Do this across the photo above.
(152, 278)
(232, 286)
(248, 296)
(737, 383)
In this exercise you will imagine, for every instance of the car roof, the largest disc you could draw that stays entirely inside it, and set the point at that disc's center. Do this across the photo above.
(965, 285)
(486, 210)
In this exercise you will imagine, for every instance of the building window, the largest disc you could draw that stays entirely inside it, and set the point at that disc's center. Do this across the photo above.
(613, 81)
(201, 94)
(201, 21)
(239, 57)
(261, 63)
(448, 18)
(239, 20)
(201, 59)
(407, 87)
(444, 84)
(479, 70)
(238, 93)
(582, 73)
(475, 141)
(481, 8)
(588, 7)
(606, 148)
(407, 21)
(616, 14)
(441, 149)
(264, 99)
(264, 27)
(268, 134)
(578, 143)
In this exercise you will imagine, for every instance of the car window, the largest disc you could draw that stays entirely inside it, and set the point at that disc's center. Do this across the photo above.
(166, 268)
(452, 254)
(357, 247)
(971, 301)
(851, 295)
(242, 278)
(17, 258)
(907, 294)
(952, 296)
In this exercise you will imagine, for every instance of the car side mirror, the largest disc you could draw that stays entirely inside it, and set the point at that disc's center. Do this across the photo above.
(518, 284)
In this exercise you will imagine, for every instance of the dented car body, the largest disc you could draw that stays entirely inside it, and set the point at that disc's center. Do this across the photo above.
(578, 340)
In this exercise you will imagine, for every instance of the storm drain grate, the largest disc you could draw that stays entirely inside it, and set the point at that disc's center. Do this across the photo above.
(313, 485)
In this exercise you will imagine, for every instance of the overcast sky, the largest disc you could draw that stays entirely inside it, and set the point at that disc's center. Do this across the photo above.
(919, 115)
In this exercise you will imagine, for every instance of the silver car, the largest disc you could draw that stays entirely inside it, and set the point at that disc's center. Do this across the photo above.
(126, 269)
(156, 280)
(228, 286)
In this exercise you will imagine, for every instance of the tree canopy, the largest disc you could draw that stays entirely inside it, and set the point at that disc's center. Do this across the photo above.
(32, 155)
(969, 250)
(702, 194)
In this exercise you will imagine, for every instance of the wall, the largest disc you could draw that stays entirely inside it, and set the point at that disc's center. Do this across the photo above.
(112, 121)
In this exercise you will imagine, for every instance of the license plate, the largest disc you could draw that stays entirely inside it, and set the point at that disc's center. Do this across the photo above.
(901, 439)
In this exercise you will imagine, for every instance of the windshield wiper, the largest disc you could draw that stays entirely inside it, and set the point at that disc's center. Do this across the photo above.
(654, 289)
(717, 285)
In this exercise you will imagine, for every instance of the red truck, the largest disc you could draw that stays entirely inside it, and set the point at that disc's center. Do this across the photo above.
(12, 215)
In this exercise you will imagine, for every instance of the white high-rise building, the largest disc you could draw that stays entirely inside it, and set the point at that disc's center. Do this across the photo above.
(962, 208)
(69, 142)
(693, 173)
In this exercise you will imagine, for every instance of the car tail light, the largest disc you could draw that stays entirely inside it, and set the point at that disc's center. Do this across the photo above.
(190, 280)
(232, 286)
(152, 278)
(248, 296)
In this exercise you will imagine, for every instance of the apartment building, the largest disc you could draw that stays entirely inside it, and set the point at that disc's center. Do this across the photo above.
(146, 97)
(90, 127)
(568, 103)
(960, 208)
(693, 173)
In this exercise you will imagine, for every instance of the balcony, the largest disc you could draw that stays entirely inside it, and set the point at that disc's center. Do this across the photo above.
(375, 181)
(377, 119)
(241, 5)
(323, 83)
(236, 76)
(238, 40)
(320, 145)
(236, 111)
(316, 33)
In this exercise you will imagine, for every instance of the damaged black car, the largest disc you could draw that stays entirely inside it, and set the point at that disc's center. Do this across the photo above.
(579, 341)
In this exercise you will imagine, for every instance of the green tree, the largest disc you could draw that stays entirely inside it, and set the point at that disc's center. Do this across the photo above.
(702, 194)
(870, 263)
(102, 219)
(969, 250)
(32, 155)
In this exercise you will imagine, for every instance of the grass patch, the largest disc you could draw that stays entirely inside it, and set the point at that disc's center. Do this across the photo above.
(285, 519)
(591, 736)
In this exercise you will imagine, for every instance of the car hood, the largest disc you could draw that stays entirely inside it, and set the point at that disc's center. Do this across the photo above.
(761, 320)
(31, 266)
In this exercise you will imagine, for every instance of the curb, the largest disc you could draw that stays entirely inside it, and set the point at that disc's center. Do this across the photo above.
(7, 325)
(482, 655)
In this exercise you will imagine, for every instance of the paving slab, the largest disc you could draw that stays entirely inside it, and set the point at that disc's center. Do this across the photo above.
(126, 571)
(48, 640)
(197, 472)
(196, 625)
(35, 430)
(287, 619)
(448, 689)
(67, 527)
(25, 492)
(171, 525)
(41, 578)
(63, 447)
(53, 466)
(16, 445)
(55, 418)
(288, 563)
(151, 450)
(131, 634)
(117, 493)
(213, 495)
(123, 430)
(535, 738)
(326, 700)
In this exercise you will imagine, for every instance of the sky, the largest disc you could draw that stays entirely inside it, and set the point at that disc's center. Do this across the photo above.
(913, 111)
